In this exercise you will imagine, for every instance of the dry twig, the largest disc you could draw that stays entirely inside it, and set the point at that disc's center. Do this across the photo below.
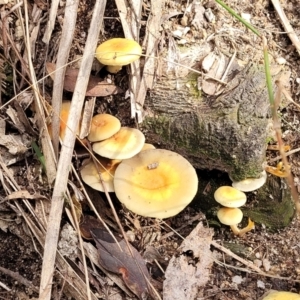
(62, 59)
(66, 152)
(286, 25)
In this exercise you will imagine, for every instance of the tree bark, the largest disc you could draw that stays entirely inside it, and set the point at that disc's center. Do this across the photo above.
(226, 132)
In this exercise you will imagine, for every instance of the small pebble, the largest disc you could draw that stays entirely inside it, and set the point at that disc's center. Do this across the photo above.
(281, 60)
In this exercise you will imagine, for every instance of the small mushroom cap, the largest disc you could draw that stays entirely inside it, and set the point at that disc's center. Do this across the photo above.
(147, 147)
(126, 143)
(103, 127)
(281, 295)
(90, 176)
(118, 52)
(156, 183)
(250, 184)
(230, 216)
(230, 197)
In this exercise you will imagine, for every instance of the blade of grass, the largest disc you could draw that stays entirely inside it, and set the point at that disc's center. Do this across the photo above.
(39, 154)
(233, 13)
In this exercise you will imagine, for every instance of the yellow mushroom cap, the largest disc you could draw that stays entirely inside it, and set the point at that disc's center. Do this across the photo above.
(103, 127)
(281, 295)
(90, 176)
(147, 147)
(126, 143)
(230, 216)
(250, 184)
(118, 52)
(230, 197)
(156, 183)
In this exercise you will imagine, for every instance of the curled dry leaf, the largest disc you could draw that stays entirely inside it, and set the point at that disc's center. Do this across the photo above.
(117, 258)
(95, 88)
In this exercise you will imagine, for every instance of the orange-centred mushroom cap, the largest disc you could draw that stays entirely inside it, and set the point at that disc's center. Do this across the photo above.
(230, 197)
(156, 183)
(118, 52)
(107, 167)
(126, 143)
(103, 127)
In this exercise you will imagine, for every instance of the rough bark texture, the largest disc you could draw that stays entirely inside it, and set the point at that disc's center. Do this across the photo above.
(227, 132)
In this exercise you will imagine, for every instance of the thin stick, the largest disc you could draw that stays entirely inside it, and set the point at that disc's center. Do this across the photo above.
(243, 261)
(62, 58)
(287, 154)
(51, 21)
(87, 282)
(277, 128)
(19, 278)
(66, 153)
(286, 25)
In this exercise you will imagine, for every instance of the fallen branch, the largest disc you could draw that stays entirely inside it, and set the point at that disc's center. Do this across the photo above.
(66, 153)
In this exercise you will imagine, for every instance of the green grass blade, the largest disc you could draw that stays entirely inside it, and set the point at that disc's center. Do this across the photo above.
(232, 12)
(39, 154)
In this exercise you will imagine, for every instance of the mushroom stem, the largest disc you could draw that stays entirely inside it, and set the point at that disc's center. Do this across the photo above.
(235, 229)
(249, 227)
(113, 69)
(241, 232)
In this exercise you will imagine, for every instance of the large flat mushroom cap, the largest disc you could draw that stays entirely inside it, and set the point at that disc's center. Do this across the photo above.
(126, 143)
(156, 183)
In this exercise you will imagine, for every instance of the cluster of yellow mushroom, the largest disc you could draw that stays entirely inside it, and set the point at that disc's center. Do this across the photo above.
(151, 182)
(230, 214)
(233, 197)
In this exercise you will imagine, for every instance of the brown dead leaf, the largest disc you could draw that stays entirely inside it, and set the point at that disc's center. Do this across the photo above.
(183, 278)
(95, 88)
(209, 85)
(116, 257)
(87, 223)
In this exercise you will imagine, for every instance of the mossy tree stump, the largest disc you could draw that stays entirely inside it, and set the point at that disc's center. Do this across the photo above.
(227, 132)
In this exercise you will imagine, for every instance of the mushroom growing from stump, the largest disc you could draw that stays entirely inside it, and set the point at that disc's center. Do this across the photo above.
(126, 143)
(118, 52)
(250, 184)
(156, 183)
(232, 217)
(103, 126)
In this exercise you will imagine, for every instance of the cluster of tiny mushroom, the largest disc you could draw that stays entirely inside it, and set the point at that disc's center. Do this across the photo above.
(150, 182)
(232, 198)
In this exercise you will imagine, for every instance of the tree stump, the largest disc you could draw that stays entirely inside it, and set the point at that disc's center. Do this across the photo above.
(228, 132)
